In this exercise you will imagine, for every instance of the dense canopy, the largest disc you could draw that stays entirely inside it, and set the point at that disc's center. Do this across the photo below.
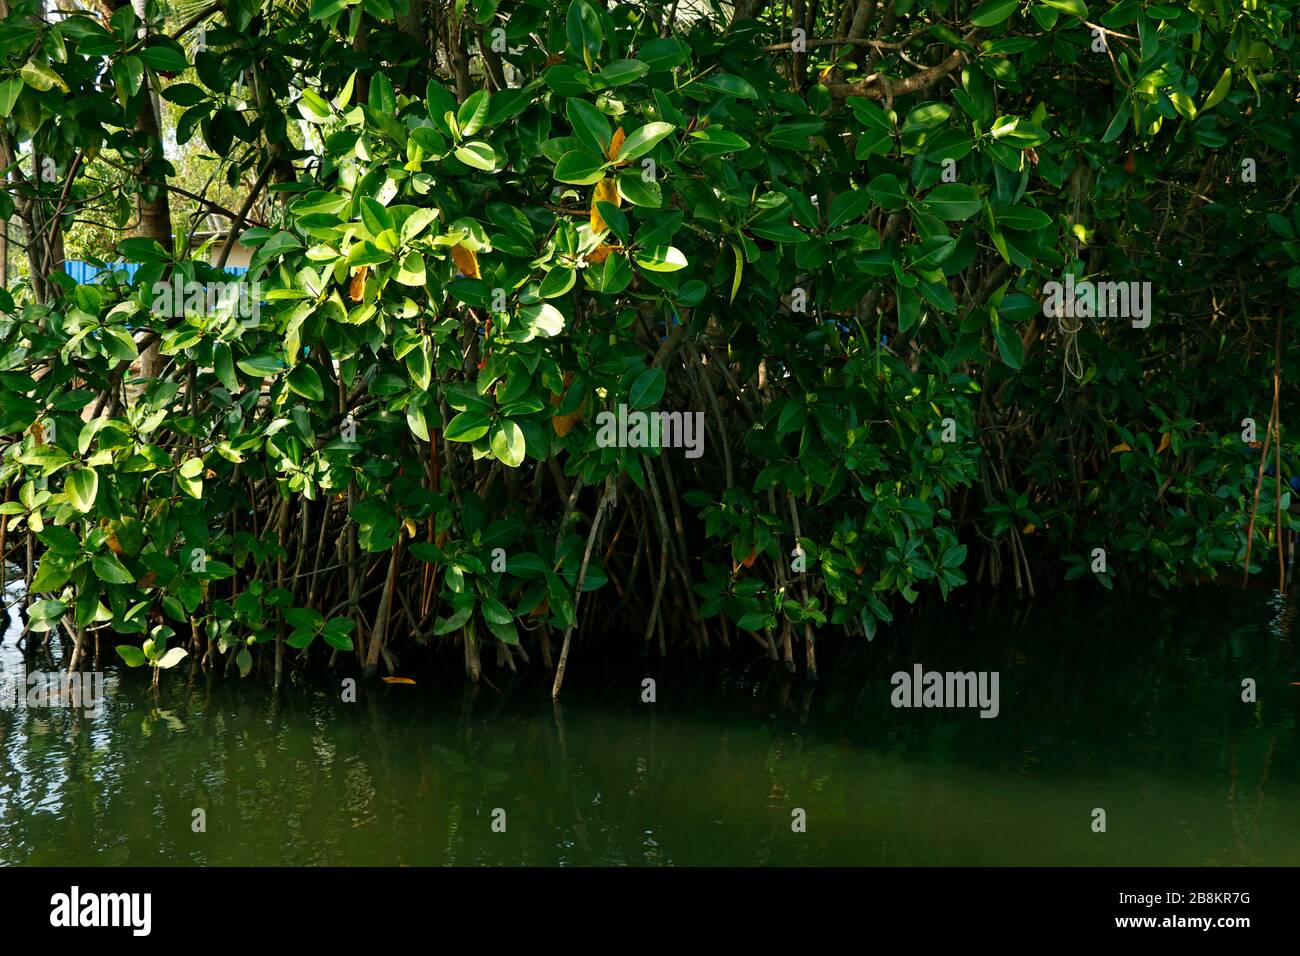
(855, 243)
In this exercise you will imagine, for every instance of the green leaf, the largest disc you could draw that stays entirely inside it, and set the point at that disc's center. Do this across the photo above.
(885, 191)
(560, 280)
(305, 380)
(417, 363)
(478, 155)
(870, 115)
(82, 487)
(1073, 7)
(313, 108)
(139, 249)
(716, 141)
(47, 610)
(40, 76)
(110, 570)
(416, 422)
(1118, 123)
(954, 201)
(467, 426)
(337, 632)
(50, 576)
(508, 442)
(382, 99)
(926, 117)
(304, 617)
(660, 259)
(624, 71)
(583, 29)
(261, 365)
(457, 620)
(849, 206)
(643, 140)
(1183, 104)
(128, 75)
(1216, 96)
(993, 12)
(9, 90)
(506, 631)
(739, 270)
(580, 168)
(1018, 132)
(173, 657)
(1024, 218)
(638, 191)
(412, 271)
(589, 125)
(165, 54)
(729, 84)
(647, 390)
(1010, 348)
(664, 54)
(131, 655)
(473, 113)
(184, 94)
(909, 308)
(320, 9)
(542, 318)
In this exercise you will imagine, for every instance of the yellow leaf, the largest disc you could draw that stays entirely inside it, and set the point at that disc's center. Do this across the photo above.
(606, 191)
(1122, 446)
(600, 253)
(1030, 528)
(411, 529)
(1164, 443)
(465, 261)
(397, 680)
(357, 288)
(615, 144)
(563, 424)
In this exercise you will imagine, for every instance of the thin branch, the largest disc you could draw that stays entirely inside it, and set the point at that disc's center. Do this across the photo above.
(879, 87)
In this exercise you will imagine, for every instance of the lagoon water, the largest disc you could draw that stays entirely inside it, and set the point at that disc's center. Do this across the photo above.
(1132, 705)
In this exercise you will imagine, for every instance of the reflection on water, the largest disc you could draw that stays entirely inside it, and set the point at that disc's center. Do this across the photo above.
(1134, 707)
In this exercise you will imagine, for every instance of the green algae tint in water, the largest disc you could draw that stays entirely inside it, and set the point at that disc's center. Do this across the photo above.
(1132, 708)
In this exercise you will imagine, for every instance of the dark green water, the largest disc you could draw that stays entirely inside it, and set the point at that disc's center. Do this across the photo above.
(1133, 706)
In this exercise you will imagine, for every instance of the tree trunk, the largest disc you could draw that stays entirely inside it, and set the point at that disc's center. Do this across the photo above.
(155, 215)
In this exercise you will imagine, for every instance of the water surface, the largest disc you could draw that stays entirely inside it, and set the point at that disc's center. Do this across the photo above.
(1129, 705)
